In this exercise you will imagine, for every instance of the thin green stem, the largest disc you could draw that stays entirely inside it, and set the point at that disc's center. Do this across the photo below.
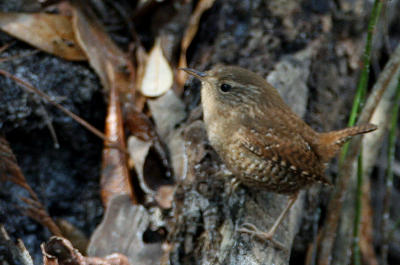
(363, 81)
(358, 103)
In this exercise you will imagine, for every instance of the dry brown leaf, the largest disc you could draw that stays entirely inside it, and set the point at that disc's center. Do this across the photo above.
(139, 125)
(59, 251)
(141, 58)
(100, 49)
(190, 32)
(115, 178)
(49, 32)
(149, 160)
(143, 137)
(116, 74)
(158, 75)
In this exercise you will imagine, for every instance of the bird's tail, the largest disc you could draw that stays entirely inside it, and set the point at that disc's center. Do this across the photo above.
(331, 142)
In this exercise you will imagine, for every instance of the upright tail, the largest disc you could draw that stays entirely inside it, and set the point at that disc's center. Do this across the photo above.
(331, 142)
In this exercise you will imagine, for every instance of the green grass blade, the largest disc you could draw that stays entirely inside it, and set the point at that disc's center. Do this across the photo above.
(363, 81)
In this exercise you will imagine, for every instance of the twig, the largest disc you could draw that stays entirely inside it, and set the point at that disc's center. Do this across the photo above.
(18, 56)
(75, 117)
(51, 101)
(6, 46)
(50, 126)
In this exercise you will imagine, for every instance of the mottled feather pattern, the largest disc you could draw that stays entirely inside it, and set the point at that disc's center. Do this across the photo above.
(274, 163)
(261, 140)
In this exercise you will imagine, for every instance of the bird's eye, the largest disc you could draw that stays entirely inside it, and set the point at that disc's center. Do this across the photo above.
(225, 87)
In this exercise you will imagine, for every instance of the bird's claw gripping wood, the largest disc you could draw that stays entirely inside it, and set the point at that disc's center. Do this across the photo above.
(268, 236)
(252, 230)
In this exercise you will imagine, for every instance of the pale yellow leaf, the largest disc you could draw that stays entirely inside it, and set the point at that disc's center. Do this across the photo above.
(158, 75)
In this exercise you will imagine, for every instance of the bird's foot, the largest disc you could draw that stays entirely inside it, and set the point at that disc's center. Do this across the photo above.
(264, 236)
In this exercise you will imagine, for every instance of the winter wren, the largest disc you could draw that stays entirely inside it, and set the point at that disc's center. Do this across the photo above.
(260, 139)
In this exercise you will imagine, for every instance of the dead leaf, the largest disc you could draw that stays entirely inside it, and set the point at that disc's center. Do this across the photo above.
(138, 151)
(116, 74)
(158, 75)
(168, 112)
(121, 230)
(100, 49)
(139, 125)
(141, 58)
(51, 33)
(115, 178)
(148, 156)
(190, 32)
(59, 251)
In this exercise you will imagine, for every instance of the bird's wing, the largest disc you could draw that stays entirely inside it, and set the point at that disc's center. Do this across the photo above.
(284, 146)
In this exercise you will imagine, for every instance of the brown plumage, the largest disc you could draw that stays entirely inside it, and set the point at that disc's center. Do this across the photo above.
(261, 140)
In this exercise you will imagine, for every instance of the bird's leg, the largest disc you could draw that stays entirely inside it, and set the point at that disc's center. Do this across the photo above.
(268, 236)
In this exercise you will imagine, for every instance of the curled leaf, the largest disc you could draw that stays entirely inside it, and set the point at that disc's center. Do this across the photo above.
(158, 75)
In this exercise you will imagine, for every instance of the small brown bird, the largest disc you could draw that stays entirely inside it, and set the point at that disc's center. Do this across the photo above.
(261, 140)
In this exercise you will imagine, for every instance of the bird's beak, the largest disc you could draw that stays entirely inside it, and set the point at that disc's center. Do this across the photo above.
(195, 73)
